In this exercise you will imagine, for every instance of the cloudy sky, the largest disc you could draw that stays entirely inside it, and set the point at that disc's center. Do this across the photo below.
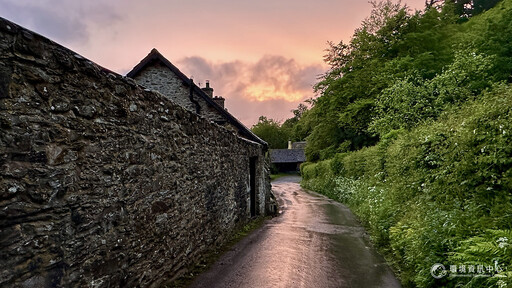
(263, 56)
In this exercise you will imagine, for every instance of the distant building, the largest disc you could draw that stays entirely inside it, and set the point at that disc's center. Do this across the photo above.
(288, 160)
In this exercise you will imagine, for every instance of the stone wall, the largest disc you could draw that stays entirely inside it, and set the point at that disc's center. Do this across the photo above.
(104, 184)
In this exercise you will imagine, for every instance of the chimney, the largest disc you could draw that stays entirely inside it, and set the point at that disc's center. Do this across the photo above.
(290, 144)
(219, 100)
(207, 89)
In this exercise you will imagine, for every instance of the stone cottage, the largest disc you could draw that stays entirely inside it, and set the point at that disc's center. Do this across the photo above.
(157, 73)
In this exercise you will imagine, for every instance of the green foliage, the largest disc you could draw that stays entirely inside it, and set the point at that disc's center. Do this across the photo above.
(357, 75)
(404, 105)
(491, 34)
(296, 130)
(413, 101)
(413, 130)
(432, 194)
(468, 8)
(318, 177)
(467, 76)
(271, 132)
(491, 248)
(401, 70)
(277, 135)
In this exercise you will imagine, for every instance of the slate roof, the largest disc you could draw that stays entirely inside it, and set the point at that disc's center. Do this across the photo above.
(287, 156)
(155, 56)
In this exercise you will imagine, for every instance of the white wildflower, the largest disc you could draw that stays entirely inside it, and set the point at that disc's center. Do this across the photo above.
(502, 242)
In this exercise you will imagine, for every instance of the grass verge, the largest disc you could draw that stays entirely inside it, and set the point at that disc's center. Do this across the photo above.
(279, 175)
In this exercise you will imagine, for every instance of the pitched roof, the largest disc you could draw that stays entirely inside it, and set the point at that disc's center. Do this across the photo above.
(155, 56)
(287, 155)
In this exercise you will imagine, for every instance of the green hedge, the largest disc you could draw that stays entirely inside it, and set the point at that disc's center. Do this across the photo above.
(430, 194)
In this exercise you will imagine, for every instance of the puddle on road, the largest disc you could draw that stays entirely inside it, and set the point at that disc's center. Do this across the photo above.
(331, 229)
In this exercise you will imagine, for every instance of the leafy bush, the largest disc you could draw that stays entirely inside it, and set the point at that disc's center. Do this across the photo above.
(318, 177)
(413, 101)
(423, 193)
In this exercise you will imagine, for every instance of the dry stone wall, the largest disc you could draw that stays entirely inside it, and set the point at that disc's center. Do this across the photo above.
(104, 184)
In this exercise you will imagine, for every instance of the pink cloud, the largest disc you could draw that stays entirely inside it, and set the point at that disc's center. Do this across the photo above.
(271, 86)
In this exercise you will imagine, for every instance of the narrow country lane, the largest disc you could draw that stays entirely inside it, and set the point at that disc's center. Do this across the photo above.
(316, 242)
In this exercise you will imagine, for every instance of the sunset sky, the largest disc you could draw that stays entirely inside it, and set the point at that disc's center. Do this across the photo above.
(262, 56)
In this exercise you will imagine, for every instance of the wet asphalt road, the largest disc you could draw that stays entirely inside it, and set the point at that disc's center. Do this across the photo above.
(315, 242)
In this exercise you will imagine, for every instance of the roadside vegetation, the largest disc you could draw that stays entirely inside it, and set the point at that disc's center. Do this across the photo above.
(277, 134)
(412, 128)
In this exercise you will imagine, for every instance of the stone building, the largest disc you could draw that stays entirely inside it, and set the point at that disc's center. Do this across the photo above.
(157, 73)
(104, 183)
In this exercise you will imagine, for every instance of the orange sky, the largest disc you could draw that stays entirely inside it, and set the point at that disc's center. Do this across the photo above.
(262, 56)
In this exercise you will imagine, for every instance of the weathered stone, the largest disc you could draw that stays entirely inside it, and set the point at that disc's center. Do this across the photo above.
(133, 107)
(34, 74)
(87, 111)
(55, 154)
(120, 90)
(5, 80)
(114, 185)
(5, 121)
(59, 105)
(15, 169)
